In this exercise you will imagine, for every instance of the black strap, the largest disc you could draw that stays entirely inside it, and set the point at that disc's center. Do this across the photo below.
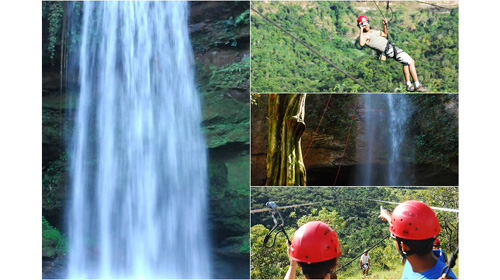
(453, 259)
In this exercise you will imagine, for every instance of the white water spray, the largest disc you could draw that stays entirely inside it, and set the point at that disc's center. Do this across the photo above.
(382, 149)
(138, 205)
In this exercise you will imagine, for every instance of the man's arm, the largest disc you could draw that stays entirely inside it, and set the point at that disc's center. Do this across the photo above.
(290, 274)
(383, 33)
(363, 39)
(385, 215)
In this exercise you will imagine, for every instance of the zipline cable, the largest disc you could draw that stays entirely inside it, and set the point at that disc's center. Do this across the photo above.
(435, 208)
(311, 49)
(291, 206)
(353, 259)
(361, 199)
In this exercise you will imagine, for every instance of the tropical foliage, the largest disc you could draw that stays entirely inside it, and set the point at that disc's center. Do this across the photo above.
(355, 219)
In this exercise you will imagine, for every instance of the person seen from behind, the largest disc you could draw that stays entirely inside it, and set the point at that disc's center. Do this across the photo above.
(414, 226)
(315, 249)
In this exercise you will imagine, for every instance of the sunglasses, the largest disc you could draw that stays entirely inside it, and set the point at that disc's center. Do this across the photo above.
(364, 23)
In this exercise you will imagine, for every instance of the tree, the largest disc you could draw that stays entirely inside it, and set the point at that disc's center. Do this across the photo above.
(285, 166)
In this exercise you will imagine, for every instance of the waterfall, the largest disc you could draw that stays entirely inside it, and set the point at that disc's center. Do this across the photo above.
(138, 202)
(399, 111)
(382, 148)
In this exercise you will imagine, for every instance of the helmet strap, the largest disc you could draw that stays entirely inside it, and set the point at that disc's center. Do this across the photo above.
(402, 252)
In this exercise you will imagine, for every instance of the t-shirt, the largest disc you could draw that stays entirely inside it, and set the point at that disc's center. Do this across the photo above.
(364, 259)
(444, 254)
(433, 273)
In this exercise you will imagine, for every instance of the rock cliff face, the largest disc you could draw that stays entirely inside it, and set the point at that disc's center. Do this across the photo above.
(220, 38)
(219, 33)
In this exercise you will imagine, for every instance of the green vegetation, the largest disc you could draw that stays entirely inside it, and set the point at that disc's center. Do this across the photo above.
(435, 126)
(280, 64)
(233, 76)
(53, 12)
(53, 183)
(53, 243)
(354, 219)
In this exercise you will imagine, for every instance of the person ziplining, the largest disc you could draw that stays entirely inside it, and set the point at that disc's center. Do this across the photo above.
(378, 40)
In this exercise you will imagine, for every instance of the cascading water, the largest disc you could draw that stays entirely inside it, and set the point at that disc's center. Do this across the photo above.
(399, 111)
(138, 205)
(382, 141)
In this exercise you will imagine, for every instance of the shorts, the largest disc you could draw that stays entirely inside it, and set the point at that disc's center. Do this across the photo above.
(401, 56)
(365, 265)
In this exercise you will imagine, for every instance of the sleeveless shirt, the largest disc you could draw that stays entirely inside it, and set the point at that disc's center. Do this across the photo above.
(376, 41)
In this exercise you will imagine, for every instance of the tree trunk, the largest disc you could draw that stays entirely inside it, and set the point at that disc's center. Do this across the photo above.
(285, 166)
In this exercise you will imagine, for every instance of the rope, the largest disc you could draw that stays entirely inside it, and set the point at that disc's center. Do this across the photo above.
(314, 135)
(311, 49)
(385, 15)
(347, 140)
(355, 258)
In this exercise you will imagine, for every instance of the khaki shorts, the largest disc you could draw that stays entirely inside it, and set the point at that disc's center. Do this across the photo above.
(401, 56)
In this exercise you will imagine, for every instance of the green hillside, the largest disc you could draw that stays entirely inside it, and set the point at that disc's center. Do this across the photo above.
(280, 64)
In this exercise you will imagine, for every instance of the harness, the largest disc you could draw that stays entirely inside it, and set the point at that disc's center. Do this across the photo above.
(389, 46)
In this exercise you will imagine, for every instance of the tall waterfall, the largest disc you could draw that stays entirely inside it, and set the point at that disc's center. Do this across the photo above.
(138, 205)
(386, 158)
(399, 111)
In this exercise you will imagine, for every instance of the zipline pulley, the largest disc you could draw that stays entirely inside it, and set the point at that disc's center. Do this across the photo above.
(278, 227)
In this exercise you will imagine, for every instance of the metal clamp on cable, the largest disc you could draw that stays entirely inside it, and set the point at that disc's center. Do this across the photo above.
(277, 227)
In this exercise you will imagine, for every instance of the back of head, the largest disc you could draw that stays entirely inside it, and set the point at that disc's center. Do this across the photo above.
(315, 246)
(414, 220)
(317, 270)
(416, 225)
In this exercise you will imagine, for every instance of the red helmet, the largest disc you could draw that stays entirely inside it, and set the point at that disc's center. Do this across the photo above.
(414, 220)
(437, 241)
(362, 19)
(315, 242)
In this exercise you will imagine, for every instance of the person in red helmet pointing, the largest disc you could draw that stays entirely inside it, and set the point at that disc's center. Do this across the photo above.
(378, 41)
(315, 248)
(414, 227)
